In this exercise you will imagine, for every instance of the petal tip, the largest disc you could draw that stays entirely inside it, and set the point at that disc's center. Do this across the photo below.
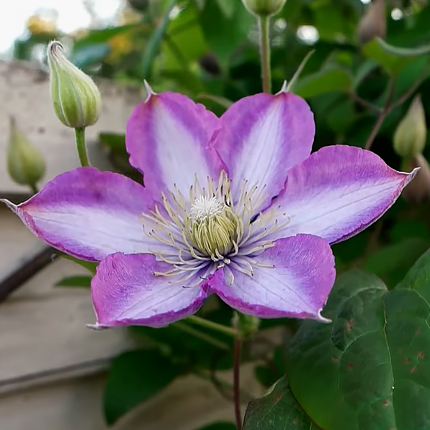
(283, 88)
(149, 91)
(322, 319)
(10, 205)
(97, 326)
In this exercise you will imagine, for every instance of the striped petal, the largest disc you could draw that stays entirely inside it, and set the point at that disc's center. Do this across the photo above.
(125, 291)
(337, 192)
(89, 214)
(167, 138)
(296, 286)
(261, 138)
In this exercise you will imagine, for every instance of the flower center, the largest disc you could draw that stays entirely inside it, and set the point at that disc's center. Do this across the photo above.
(214, 227)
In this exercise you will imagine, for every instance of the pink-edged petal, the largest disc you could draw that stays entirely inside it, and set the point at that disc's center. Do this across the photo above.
(296, 286)
(89, 214)
(337, 192)
(167, 138)
(262, 137)
(126, 292)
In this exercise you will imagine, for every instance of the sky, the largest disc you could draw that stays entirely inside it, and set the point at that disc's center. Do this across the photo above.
(72, 15)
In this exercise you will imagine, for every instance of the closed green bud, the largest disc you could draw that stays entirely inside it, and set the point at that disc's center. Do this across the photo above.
(373, 23)
(75, 96)
(410, 135)
(25, 163)
(245, 324)
(264, 7)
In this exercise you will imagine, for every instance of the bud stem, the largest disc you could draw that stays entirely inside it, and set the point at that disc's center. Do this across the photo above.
(81, 147)
(34, 188)
(263, 24)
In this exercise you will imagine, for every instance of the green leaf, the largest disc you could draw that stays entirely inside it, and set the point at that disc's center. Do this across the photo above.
(134, 377)
(371, 367)
(184, 42)
(403, 52)
(88, 55)
(89, 265)
(277, 410)
(324, 81)
(393, 59)
(220, 426)
(225, 33)
(393, 261)
(75, 281)
(155, 41)
(114, 141)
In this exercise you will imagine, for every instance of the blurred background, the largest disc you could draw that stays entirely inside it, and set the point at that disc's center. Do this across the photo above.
(55, 373)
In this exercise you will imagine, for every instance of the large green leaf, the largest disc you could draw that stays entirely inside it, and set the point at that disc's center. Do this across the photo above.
(134, 377)
(277, 410)
(392, 58)
(224, 33)
(183, 42)
(324, 81)
(370, 368)
(75, 281)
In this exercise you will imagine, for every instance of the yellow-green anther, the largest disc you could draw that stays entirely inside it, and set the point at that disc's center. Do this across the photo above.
(214, 227)
(264, 7)
(411, 133)
(75, 96)
(25, 163)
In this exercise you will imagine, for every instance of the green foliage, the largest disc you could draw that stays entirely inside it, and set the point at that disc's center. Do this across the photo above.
(134, 377)
(75, 281)
(277, 410)
(372, 360)
(220, 426)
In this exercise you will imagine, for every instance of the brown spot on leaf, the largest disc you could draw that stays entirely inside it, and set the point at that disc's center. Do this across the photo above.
(418, 331)
(385, 402)
(349, 365)
(406, 361)
(349, 324)
(413, 370)
(420, 355)
(335, 359)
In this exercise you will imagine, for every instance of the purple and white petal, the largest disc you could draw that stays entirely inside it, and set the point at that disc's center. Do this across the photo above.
(296, 286)
(261, 138)
(125, 291)
(89, 214)
(167, 138)
(337, 192)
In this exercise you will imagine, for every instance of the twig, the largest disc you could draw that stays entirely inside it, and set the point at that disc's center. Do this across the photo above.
(383, 113)
(411, 90)
(236, 382)
(363, 102)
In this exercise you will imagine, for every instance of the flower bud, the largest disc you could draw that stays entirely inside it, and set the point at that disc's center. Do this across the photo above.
(373, 23)
(25, 163)
(245, 324)
(418, 190)
(410, 135)
(75, 96)
(264, 7)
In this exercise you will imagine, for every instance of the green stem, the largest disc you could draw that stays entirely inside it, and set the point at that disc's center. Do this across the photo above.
(236, 383)
(34, 188)
(263, 22)
(213, 325)
(203, 336)
(81, 147)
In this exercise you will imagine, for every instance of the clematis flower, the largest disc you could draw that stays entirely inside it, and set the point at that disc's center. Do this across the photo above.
(234, 206)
